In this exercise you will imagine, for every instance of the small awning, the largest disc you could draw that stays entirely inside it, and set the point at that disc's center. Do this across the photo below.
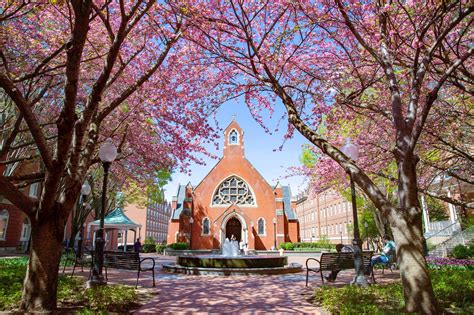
(117, 219)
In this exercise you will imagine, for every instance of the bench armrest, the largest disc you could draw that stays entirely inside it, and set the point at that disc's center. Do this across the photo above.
(152, 259)
(313, 259)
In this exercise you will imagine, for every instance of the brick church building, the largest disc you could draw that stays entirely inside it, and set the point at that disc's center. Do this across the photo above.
(233, 199)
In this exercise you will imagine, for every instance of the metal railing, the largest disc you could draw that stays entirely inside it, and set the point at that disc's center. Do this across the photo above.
(443, 249)
(442, 228)
(19, 247)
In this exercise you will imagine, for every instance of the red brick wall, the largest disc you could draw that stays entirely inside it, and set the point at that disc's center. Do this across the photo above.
(233, 163)
(137, 214)
(14, 227)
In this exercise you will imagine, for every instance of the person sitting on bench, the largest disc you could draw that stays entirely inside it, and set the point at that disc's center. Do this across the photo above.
(333, 275)
(387, 252)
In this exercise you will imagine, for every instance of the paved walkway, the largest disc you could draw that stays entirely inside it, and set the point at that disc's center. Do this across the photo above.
(176, 293)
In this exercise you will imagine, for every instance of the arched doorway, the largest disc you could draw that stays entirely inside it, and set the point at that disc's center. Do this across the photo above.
(233, 227)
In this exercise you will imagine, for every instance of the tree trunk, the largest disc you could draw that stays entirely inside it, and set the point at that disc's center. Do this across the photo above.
(408, 233)
(41, 281)
(74, 230)
(417, 288)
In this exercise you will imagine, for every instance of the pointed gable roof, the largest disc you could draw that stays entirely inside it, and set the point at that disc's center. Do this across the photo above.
(286, 195)
(179, 202)
(117, 218)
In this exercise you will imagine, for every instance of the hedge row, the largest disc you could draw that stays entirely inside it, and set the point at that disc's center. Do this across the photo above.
(324, 244)
(151, 246)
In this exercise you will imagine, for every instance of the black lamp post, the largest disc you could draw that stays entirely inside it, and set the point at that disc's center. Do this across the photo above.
(107, 154)
(352, 152)
(85, 191)
(275, 233)
(366, 225)
(191, 221)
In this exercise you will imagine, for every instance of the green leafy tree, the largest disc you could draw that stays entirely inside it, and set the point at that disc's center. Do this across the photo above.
(436, 209)
(153, 192)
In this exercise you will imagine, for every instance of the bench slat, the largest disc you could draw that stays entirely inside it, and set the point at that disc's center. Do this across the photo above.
(121, 260)
(334, 261)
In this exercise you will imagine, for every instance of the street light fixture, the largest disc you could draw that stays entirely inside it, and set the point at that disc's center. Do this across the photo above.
(352, 151)
(275, 233)
(191, 221)
(366, 225)
(107, 154)
(85, 191)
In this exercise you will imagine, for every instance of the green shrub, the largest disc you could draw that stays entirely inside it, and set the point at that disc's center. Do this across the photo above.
(149, 246)
(110, 298)
(12, 273)
(322, 244)
(71, 292)
(453, 287)
(160, 248)
(375, 299)
(287, 246)
(454, 290)
(178, 246)
(462, 252)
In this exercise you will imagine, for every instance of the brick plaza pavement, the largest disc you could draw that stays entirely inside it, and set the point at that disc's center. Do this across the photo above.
(176, 293)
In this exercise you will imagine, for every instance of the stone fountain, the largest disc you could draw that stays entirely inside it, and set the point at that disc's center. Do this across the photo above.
(231, 262)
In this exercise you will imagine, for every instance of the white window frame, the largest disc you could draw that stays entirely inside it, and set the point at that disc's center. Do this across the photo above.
(209, 229)
(4, 215)
(219, 187)
(238, 137)
(33, 190)
(264, 227)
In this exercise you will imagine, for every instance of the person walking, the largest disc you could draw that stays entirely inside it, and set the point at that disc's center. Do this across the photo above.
(137, 246)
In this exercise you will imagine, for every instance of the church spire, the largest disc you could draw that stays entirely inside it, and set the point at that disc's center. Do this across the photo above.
(233, 140)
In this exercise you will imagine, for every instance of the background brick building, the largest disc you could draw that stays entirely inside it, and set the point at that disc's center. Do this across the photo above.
(233, 199)
(324, 215)
(154, 219)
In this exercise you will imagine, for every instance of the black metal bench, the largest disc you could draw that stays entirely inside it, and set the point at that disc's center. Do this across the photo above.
(391, 264)
(337, 261)
(79, 259)
(129, 261)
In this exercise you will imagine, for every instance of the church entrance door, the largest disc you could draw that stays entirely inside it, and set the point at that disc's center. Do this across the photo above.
(233, 227)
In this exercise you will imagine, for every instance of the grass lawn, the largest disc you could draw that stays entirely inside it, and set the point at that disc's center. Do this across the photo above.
(453, 286)
(73, 297)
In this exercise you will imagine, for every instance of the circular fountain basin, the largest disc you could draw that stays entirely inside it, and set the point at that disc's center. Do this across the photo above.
(232, 265)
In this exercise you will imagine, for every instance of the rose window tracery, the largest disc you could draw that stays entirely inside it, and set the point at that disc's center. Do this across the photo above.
(233, 190)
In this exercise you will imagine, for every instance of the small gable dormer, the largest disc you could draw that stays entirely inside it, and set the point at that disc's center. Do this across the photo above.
(234, 140)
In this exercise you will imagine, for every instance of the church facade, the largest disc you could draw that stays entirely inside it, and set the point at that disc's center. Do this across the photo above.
(233, 200)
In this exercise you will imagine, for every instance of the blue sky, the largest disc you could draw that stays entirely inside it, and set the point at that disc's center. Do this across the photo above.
(261, 148)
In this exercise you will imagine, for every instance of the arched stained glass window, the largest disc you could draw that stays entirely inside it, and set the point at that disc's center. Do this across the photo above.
(233, 190)
(261, 226)
(206, 226)
(233, 137)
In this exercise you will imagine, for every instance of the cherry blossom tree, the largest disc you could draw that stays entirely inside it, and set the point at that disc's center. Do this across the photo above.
(73, 73)
(393, 61)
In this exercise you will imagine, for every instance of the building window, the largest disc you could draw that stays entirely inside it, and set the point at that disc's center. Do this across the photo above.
(261, 227)
(233, 190)
(233, 137)
(34, 190)
(3, 224)
(206, 226)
